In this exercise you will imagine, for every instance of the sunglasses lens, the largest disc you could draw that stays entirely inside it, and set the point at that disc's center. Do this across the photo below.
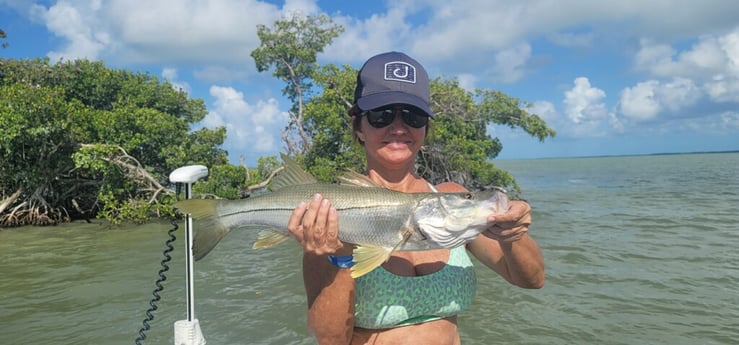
(414, 119)
(382, 117)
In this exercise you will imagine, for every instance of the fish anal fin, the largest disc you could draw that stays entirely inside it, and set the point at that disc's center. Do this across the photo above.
(268, 238)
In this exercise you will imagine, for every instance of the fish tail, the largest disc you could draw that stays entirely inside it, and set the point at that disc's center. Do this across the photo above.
(210, 230)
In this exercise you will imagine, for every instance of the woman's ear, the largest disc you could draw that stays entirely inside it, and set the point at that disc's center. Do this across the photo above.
(359, 134)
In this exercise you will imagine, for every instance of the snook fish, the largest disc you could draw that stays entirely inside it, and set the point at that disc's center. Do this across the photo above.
(378, 221)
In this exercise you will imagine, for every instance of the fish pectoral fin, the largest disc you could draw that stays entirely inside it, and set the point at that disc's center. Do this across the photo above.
(269, 238)
(367, 257)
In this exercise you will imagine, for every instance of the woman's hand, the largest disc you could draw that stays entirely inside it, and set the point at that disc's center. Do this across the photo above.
(512, 225)
(508, 250)
(316, 226)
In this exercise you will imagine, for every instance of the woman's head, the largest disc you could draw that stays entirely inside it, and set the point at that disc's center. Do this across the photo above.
(392, 78)
(391, 85)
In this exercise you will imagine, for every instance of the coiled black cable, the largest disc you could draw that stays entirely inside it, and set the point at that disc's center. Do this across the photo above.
(158, 283)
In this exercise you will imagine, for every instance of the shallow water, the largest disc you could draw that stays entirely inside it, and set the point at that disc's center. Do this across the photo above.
(639, 250)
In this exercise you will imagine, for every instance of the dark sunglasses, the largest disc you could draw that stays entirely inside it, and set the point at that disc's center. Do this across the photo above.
(382, 117)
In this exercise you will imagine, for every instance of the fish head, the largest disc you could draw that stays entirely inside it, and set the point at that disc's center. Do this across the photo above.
(448, 220)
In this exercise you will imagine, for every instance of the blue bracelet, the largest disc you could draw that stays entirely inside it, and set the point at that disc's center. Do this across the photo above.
(341, 261)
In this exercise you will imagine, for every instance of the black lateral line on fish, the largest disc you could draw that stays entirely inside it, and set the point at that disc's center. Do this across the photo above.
(348, 208)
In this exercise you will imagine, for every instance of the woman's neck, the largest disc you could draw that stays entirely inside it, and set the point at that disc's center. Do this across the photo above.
(401, 181)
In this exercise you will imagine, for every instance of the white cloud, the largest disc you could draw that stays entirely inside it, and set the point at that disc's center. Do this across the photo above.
(723, 88)
(366, 37)
(252, 129)
(584, 103)
(646, 100)
(163, 31)
(712, 62)
(639, 102)
(175, 30)
(467, 81)
(71, 22)
(705, 57)
(679, 94)
(572, 39)
(509, 63)
(301, 6)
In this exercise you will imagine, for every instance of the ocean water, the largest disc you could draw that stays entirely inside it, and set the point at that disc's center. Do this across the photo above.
(639, 250)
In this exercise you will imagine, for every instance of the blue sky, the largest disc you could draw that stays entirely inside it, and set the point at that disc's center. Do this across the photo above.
(612, 77)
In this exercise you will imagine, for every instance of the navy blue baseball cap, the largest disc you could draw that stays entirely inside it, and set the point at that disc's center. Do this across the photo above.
(392, 78)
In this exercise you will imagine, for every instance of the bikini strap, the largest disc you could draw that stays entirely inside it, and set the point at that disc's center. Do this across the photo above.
(433, 189)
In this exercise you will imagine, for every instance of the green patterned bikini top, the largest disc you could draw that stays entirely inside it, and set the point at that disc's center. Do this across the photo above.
(386, 300)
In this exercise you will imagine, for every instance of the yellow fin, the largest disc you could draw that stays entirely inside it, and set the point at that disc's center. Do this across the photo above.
(367, 257)
(269, 238)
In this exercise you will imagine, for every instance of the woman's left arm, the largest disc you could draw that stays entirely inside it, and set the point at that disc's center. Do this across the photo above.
(507, 248)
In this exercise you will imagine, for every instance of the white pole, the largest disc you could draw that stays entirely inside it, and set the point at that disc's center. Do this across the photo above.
(189, 277)
(187, 332)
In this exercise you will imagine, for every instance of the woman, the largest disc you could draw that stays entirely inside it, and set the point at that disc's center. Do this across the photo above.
(415, 296)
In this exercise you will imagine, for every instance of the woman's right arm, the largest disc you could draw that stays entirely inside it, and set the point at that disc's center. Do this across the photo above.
(329, 289)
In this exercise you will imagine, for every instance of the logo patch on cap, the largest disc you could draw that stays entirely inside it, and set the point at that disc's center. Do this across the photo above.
(400, 71)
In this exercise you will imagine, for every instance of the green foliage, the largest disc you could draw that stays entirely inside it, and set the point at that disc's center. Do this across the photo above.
(290, 48)
(510, 111)
(265, 167)
(233, 182)
(34, 157)
(118, 211)
(34, 127)
(85, 138)
(334, 148)
(224, 180)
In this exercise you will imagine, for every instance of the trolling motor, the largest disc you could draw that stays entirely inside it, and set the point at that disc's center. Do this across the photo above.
(187, 332)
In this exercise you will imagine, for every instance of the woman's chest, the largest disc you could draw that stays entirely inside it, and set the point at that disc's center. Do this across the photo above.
(417, 263)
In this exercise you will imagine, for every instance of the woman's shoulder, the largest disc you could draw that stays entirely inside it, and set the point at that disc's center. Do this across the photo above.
(450, 187)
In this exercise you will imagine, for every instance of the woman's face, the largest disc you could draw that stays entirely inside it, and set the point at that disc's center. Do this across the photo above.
(393, 145)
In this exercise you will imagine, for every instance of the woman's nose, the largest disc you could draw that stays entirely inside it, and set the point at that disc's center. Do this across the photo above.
(398, 122)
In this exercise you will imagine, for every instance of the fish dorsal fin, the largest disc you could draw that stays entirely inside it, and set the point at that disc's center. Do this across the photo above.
(353, 178)
(292, 175)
